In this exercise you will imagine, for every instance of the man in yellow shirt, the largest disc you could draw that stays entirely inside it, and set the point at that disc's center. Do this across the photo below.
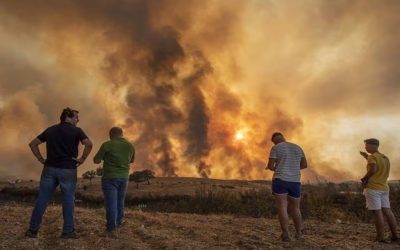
(376, 189)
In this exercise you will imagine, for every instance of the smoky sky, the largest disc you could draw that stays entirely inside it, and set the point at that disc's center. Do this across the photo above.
(183, 77)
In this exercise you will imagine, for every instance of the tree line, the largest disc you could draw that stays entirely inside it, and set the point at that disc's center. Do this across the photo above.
(137, 176)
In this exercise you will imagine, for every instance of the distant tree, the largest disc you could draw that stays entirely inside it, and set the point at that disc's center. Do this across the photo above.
(141, 176)
(99, 171)
(89, 175)
(147, 175)
(136, 177)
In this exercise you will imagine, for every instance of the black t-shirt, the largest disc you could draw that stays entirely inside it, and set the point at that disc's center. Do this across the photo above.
(62, 142)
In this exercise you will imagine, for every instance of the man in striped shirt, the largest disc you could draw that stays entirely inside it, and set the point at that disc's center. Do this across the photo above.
(286, 160)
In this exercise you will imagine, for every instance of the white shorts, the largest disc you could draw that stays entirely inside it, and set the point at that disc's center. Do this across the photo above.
(376, 199)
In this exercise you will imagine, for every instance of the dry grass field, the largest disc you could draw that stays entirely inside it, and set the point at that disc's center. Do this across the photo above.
(193, 213)
(148, 230)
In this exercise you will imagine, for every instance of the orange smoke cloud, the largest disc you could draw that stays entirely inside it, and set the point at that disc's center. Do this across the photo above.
(201, 86)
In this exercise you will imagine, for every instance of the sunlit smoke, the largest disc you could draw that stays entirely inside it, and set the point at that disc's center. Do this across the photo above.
(239, 135)
(200, 86)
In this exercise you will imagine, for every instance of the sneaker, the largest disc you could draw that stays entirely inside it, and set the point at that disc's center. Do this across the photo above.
(300, 237)
(285, 237)
(120, 224)
(395, 240)
(71, 235)
(31, 234)
(382, 241)
(110, 234)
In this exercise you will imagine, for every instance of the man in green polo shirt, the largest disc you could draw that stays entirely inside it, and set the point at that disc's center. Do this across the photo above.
(117, 154)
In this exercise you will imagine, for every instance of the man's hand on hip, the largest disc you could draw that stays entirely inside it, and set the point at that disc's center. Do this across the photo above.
(42, 160)
(79, 161)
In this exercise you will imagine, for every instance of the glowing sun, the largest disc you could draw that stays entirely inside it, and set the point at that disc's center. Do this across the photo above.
(240, 135)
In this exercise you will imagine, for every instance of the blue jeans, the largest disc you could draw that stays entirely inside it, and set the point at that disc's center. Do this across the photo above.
(114, 190)
(50, 179)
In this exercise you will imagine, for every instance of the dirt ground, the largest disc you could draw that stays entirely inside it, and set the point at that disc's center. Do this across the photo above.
(144, 230)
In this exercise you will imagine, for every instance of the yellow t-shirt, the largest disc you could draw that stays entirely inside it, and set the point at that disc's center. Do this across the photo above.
(378, 181)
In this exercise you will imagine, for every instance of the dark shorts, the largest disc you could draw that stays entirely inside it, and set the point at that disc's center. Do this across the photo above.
(293, 189)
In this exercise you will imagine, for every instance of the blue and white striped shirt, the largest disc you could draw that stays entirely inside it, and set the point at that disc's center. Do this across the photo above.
(288, 157)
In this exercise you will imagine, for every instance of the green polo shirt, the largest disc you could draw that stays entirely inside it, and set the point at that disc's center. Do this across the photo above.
(117, 154)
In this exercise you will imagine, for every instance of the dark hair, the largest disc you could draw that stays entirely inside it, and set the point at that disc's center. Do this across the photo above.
(372, 141)
(275, 134)
(68, 112)
(116, 131)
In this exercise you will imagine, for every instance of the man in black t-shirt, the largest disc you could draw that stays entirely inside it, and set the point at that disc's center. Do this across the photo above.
(60, 166)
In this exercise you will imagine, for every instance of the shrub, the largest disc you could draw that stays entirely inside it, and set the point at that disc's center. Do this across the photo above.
(141, 176)
(99, 171)
(89, 175)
